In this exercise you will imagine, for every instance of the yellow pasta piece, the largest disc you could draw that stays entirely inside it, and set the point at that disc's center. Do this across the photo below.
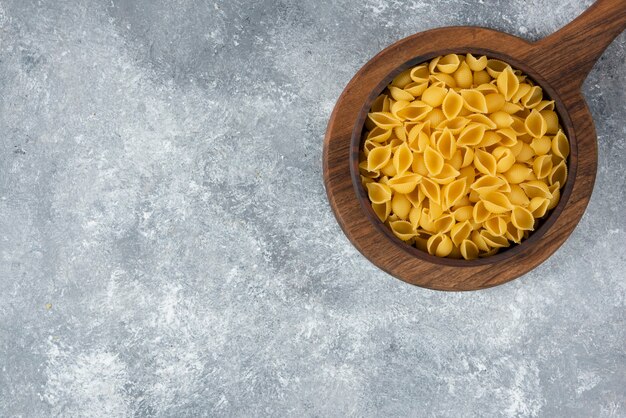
(400, 94)
(494, 241)
(481, 120)
(378, 157)
(504, 159)
(379, 135)
(487, 183)
(401, 206)
(522, 90)
(496, 202)
(402, 158)
(464, 213)
(463, 76)
(378, 193)
(430, 189)
(455, 125)
(384, 120)
(495, 67)
(433, 160)
(459, 232)
(403, 230)
(453, 192)
(525, 154)
(434, 95)
(501, 119)
(416, 89)
(536, 188)
(474, 101)
(485, 162)
(541, 146)
(452, 104)
(532, 98)
(542, 166)
(517, 196)
(522, 218)
(382, 210)
(514, 234)
(476, 64)
(448, 64)
(439, 245)
(560, 145)
(415, 111)
(444, 223)
(552, 121)
(405, 183)
(558, 174)
(538, 206)
(446, 175)
(446, 144)
(435, 117)
(402, 79)
(480, 213)
(536, 125)
(420, 74)
(468, 250)
(471, 135)
(496, 225)
(481, 77)
(507, 83)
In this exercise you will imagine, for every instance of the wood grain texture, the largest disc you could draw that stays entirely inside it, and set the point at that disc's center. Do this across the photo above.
(559, 63)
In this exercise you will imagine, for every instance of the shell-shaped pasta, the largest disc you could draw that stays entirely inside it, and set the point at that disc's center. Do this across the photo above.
(433, 160)
(468, 156)
(474, 101)
(517, 148)
(416, 89)
(419, 166)
(402, 158)
(379, 135)
(364, 172)
(487, 88)
(471, 135)
(452, 104)
(384, 120)
(518, 173)
(490, 138)
(512, 108)
(398, 106)
(514, 234)
(379, 103)
(552, 121)
(446, 175)
(507, 83)
(542, 166)
(495, 67)
(416, 197)
(535, 124)
(444, 223)
(449, 63)
(468, 250)
(495, 241)
(501, 119)
(463, 213)
(382, 210)
(494, 102)
(402, 79)
(457, 159)
(369, 146)
(525, 154)
(389, 169)
(487, 184)
(405, 183)
(435, 117)
(560, 145)
(538, 206)
(522, 219)
(519, 127)
(455, 125)
(522, 90)
(480, 213)
(485, 162)
(378, 157)
(415, 111)
(463, 76)
(517, 196)
(496, 202)
(482, 120)
(378, 192)
(453, 192)
(414, 216)
(444, 79)
(460, 232)
(435, 210)
(431, 190)
(419, 74)
(545, 105)
(532, 98)
(555, 189)
(400, 94)
(496, 225)
(541, 145)
(420, 140)
(403, 230)
(439, 245)
(481, 77)
(401, 206)
(479, 241)
(434, 95)
(505, 159)
(536, 188)
(558, 174)
(476, 64)
(446, 144)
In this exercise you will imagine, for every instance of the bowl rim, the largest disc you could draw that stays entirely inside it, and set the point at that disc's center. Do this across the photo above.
(546, 222)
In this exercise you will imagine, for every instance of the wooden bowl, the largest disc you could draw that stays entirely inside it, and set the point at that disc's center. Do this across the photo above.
(558, 63)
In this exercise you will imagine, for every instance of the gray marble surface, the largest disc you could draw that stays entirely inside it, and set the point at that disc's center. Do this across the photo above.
(167, 249)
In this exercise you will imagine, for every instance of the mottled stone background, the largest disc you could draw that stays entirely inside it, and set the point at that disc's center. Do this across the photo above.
(167, 249)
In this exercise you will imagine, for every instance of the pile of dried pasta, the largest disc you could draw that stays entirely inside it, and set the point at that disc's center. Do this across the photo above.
(462, 155)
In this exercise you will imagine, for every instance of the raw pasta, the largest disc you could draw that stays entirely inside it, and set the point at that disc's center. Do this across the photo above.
(462, 156)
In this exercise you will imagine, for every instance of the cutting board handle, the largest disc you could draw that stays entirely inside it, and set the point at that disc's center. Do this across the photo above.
(566, 57)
